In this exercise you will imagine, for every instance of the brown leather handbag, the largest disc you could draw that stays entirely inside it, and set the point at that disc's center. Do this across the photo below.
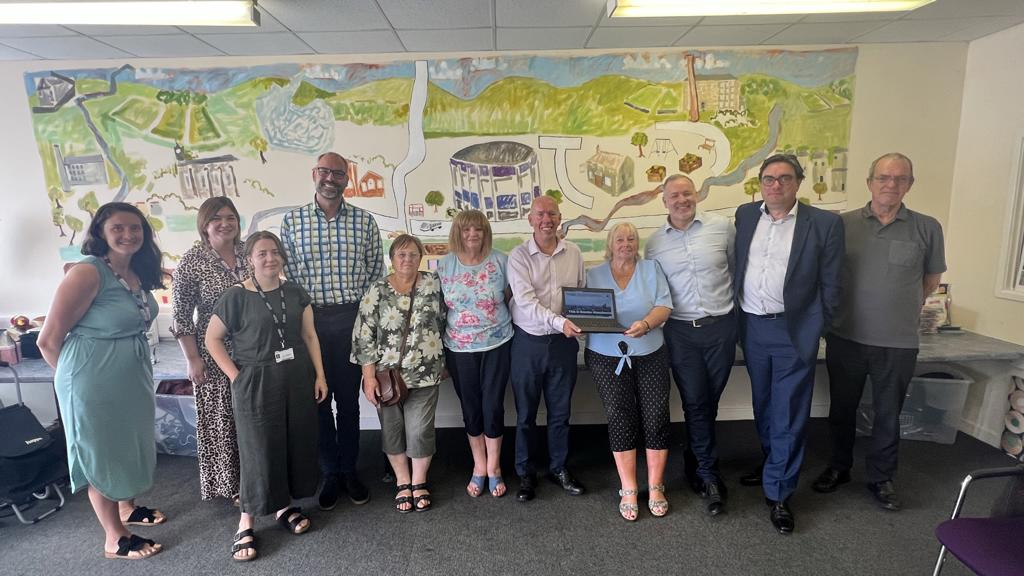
(391, 388)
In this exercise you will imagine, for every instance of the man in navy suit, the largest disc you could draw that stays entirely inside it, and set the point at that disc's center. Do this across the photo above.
(788, 261)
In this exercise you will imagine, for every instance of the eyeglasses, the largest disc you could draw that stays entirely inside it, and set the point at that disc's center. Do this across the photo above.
(336, 174)
(771, 180)
(899, 180)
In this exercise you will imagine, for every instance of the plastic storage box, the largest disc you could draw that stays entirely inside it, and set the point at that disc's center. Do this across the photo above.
(176, 425)
(932, 409)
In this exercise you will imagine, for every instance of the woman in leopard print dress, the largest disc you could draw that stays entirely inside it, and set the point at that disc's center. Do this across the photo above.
(204, 273)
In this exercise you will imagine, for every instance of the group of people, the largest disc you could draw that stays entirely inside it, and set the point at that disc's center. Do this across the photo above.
(281, 335)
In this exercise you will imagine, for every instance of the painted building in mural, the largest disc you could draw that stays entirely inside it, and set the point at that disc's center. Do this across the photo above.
(370, 185)
(206, 177)
(609, 171)
(716, 92)
(80, 170)
(54, 91)
(499, 178)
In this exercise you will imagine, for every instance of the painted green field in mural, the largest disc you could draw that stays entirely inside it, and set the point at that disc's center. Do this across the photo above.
(137, 113)
(172, 123)
(202, 128)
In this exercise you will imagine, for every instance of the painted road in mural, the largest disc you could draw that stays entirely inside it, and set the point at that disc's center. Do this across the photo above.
(427, 138)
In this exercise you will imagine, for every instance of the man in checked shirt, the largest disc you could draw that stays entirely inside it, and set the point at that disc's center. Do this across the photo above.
(335, 253)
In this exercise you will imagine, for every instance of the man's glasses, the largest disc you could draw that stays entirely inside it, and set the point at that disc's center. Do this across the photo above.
(899, 180)
(771, 180)
(336, 174)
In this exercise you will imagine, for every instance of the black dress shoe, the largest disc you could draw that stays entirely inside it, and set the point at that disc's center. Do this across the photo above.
(564, 479)
(885, 495)
(714, 493)
(830, 480)
(752, 478)
(781, 517)
(527, 488)
(357, 491)
(328, 498)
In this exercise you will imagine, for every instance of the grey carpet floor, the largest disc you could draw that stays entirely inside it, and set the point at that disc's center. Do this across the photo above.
(841, 533)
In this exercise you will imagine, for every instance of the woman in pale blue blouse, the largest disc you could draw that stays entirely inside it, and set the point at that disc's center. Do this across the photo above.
(631, 369)
(477, 340)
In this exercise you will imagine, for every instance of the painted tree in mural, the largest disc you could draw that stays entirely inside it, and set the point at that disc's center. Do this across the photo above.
(56, 209)
(820, 188)
(556, 194)
(260, 145)
(751, 187)
(76, 226)
(89, 203)
(639, 140)
(435, 198)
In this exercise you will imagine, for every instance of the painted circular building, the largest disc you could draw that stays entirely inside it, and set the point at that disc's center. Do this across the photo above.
(499, 178)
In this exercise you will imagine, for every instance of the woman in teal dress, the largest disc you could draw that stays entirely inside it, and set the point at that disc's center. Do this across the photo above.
(95, 338)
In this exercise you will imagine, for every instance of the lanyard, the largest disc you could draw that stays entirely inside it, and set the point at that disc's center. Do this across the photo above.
(281, 324)
(236, 272)
(140, 299)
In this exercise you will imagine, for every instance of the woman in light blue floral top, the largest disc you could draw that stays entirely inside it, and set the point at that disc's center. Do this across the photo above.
(407, 429)
(477, 341)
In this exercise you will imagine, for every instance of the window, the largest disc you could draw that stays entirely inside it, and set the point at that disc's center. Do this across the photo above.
(1010, 283)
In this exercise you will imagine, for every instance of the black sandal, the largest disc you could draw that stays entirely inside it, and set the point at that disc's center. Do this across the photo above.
(291, 520)
(399, 500)
(132, 543)
(421, 498)
(239, 546)
(142, 516)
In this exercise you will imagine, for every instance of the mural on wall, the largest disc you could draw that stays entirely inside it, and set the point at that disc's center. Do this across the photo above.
(427, 138)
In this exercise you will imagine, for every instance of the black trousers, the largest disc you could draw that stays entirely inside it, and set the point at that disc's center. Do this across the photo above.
(339, 434)
(849, 364)
(702, 359)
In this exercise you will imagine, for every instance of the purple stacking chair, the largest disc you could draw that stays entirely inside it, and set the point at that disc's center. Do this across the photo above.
(992, 546)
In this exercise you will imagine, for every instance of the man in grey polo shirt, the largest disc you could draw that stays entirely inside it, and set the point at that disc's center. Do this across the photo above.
(894, 259)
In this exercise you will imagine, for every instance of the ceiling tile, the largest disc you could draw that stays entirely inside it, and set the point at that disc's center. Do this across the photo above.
(542, 38)
(747, 20)
(729, 35)
(267, 24)
(635, 37)
(327, 15)
(124, 30)
(163, 45)
(7, 53)
(258, 44)
(464, 39)
(854, 17)
(417, 14)
(32, 30)
(914, 31)
(968, 8)
(834, 33)
(349, 42)
(66, 48)
(984, 26)
(545, 13)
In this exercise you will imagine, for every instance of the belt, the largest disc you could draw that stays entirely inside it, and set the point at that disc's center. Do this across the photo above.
(774, 316)
(706, 321)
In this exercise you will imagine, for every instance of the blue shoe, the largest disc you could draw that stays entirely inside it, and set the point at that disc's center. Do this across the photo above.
(476, 485)
(493, 482)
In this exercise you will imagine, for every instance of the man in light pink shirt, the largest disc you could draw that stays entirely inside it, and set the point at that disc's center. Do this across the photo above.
(544, 347)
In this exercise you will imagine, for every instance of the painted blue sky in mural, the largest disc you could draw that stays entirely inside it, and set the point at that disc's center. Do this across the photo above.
(332, 77)
(467, 77)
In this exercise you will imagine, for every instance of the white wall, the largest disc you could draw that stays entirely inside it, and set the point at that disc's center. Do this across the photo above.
(908, 98)
(991, 123)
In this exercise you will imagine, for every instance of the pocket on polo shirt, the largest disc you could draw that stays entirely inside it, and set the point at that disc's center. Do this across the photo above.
(905, 253)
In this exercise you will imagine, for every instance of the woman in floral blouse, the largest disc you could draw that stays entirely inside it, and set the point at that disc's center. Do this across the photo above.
(477, 341)
(407, 429)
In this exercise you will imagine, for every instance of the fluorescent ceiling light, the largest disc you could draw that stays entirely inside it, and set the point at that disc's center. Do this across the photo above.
(158, 13)
(653, 8)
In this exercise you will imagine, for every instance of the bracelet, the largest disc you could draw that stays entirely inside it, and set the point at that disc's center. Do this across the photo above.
(648, 324)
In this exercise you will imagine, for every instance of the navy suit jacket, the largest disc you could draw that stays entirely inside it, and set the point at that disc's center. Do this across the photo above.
(811, 292)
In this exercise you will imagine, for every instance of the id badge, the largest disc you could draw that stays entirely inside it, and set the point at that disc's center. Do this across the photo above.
(282, 355)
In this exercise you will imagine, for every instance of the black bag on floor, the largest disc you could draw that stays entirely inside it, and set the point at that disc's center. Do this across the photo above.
(26, 462)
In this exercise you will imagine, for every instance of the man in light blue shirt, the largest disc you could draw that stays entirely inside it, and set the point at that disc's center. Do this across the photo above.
(695, 249)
